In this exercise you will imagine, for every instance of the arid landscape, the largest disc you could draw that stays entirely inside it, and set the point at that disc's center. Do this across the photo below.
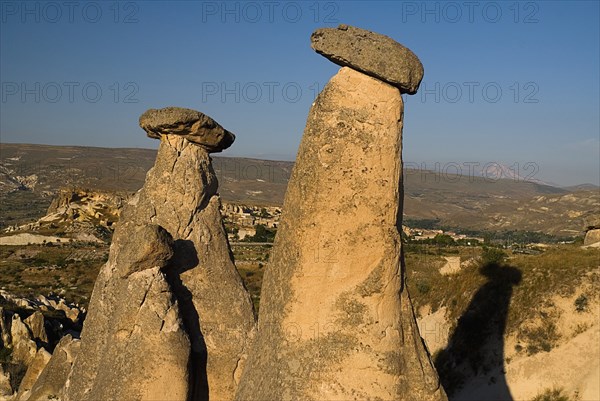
(551, 312)
(31, 175)
(316, 201)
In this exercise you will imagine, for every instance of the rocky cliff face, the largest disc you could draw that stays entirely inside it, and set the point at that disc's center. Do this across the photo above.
(80, 214)
(336, 321)
(29, 329)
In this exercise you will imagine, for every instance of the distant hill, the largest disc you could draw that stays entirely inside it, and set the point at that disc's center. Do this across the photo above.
(30, 175)
(583, 187)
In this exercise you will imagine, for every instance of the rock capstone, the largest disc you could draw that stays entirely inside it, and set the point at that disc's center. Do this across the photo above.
(371, 53)
(196, 127)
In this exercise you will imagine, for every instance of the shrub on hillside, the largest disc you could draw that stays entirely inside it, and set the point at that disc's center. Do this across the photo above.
(554, 394)
(263, 234)
(493, 256)
(581, 303)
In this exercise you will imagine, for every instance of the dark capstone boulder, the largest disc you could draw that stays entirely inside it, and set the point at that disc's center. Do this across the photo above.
(194, 126)
(371, 53)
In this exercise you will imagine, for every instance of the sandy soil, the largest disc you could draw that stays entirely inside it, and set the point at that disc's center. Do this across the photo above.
(452, 265)
(434, 328)
(574, 365)
(26, 238)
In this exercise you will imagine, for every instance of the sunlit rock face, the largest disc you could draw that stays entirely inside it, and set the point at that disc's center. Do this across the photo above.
(169, 317)
(336, 321)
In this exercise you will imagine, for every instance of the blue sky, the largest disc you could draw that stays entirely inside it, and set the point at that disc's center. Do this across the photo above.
(507, 82)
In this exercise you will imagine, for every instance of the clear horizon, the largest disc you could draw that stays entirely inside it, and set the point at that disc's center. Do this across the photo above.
(509, 83)
(481, 169)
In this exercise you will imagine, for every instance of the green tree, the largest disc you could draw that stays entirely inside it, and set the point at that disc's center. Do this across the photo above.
(443, 239)
(263, 234)
(493, 256)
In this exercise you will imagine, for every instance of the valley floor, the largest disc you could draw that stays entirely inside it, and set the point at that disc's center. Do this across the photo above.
(501, 326)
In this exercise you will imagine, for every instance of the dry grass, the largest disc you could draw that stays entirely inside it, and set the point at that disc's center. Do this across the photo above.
(487, 302)
(251, 262)
(69, 270)
(558, 271)
(554, 394)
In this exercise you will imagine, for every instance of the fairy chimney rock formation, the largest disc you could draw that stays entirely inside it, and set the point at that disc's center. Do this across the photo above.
(169, 317)
(371, 53)
(336, 321)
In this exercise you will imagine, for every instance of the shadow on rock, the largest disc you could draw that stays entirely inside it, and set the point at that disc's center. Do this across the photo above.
(185, 258)
(476, 346)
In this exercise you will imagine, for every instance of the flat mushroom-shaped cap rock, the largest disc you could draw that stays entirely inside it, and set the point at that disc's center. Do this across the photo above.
(370, 53)
(194, 126)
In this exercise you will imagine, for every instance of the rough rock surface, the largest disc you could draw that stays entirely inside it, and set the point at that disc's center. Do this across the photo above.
(372, 53)
(5, 328)
(592, 237)
(167, 322)
(592, 222)
(196, 127)
(33, 373)
(6, 389)
(134, 346)
(51, 381)
(336, 322)
(452, 266)
(72, 313)
(24, 348)
(36, 324)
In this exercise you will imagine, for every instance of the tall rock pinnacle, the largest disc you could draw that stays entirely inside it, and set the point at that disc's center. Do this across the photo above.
(169, 317)
(336, 320)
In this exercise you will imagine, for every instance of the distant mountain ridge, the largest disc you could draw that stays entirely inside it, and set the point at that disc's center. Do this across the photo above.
(582, 187)
(30, 175)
